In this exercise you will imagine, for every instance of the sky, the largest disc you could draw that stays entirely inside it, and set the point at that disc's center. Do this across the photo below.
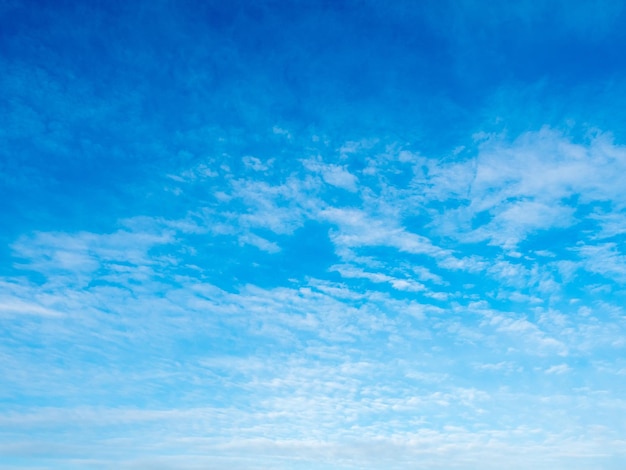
(309, 235)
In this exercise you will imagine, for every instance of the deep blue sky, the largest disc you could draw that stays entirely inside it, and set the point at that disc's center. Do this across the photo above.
(312, 234)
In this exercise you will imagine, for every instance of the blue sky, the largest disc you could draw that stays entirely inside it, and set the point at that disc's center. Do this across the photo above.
(312, 235)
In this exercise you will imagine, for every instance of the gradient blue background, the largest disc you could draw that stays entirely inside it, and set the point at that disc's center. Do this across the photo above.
(312, 234)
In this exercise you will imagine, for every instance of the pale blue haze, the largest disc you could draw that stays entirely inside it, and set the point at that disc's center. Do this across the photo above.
(312, 235)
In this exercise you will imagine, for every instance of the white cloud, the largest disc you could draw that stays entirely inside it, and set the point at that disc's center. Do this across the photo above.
(558, 369)
(357, 229)
(516, 220)
(12, 306)
(281, 208)
(400, 284)
(73, 258)
(505, 366)
(259, 242)
(256, 164)
(604, 259)
(280, 131)
(197, 173)
(524, 185)
(334, 175)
